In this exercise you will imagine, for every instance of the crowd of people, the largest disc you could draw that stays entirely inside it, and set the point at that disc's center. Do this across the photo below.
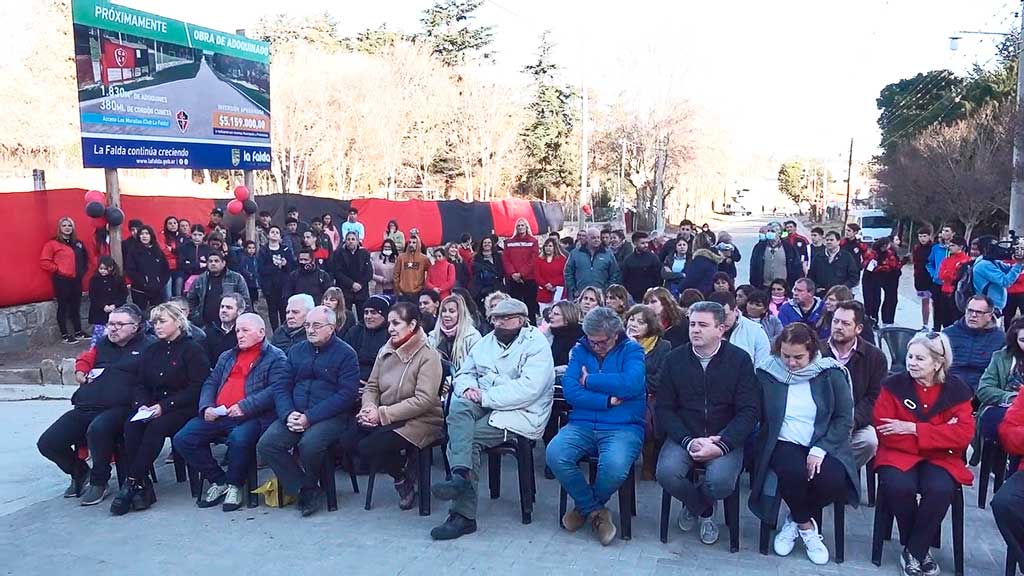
(629, 352)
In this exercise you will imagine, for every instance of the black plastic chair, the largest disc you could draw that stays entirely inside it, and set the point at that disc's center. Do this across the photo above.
(182, 472)
(883, 523)
(1011, 565)
(521, 448)
(896, 339)
(327, 481)
(626, 492)
(993, 460)
(839, 527)
(732, 511)
(872, 481)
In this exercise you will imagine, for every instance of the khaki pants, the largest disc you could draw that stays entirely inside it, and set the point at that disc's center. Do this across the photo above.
(864, 443)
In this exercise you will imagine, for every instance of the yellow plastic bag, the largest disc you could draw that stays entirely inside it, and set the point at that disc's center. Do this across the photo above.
(270, 490)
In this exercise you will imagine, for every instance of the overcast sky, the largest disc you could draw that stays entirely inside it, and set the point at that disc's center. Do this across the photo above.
(784, 77)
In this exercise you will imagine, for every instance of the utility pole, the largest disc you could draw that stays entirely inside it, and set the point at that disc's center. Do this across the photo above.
(849, 177)
(585, 151)
(622, 193)
(1017, 183)
(659, 184)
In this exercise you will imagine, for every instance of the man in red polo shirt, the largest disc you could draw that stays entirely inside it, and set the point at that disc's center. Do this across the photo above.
(236, 404)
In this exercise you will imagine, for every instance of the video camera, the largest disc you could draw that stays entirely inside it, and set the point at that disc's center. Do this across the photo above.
(1008, 249)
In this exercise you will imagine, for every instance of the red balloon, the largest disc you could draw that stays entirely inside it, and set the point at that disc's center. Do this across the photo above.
(235, 207)
(241, 193)
(587, 210)
(95, 196)
(99, 222)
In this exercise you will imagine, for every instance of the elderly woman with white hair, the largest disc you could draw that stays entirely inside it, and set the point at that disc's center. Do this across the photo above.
(924, 422)
(170, 377)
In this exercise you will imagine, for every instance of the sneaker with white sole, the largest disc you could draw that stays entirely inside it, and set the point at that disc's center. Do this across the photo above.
(814, 544)
(214, 495)
(686, 520)
(708, 530)
(785, 540)
(929, 567)
(232, 498)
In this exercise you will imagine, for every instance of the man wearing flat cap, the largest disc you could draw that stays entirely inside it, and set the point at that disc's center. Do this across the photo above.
(503, 389)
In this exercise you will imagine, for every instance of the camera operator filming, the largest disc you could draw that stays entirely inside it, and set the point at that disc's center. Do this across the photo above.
(991, 275)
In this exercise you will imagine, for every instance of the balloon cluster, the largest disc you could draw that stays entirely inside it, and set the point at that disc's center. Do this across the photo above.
(243, 202)
(101, 214)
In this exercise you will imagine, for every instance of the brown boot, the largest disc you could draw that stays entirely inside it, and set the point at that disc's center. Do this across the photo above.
(573, 520)
(601, 521)
(408, 494)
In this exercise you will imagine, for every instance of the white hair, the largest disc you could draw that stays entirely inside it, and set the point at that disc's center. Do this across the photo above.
(303, 299)
(254, 319)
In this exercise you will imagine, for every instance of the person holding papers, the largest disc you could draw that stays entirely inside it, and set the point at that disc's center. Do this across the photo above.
(170, 376)
(237, 403)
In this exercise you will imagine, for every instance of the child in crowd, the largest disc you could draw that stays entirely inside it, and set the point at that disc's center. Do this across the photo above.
(107, 291)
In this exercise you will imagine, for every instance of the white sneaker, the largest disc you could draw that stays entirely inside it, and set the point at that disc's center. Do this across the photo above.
(686, 521)
(232, 499)
(785, 540)
(815, 545)
(214, 495)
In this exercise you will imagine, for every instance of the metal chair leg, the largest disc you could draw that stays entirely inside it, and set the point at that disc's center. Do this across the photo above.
(494, 475)
(424, 462)
(666, 513)
(370, 481)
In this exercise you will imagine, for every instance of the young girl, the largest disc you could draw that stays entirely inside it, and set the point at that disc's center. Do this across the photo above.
(722, 282)
(107, 291)
(779, 294)
(756, 308)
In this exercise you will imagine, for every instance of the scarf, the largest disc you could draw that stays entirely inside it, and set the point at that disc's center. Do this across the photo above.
(506, 336)
(446, 331)
(774, 366)
(648, 343)
(405, 339)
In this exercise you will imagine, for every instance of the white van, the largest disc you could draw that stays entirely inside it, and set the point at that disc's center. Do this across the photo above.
(874, 224)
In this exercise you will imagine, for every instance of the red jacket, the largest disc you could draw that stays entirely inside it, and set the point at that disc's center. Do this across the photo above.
(1018, 286)
(949, 269)
(552, 273)
(887, 261)
(1011, 429)
(859, 249)
(59, 258)
(944, 429)
(467, 260)
(170, 250)
(520, 255)
(441, 277)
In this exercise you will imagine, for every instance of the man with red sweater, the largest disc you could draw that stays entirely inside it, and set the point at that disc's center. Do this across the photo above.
(801, 243)
(1008, 503)
(236, 402)
(520, 260)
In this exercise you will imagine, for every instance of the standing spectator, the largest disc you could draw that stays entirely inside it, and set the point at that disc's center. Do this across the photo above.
(314, 409)
(730, 255)
(396, 236)
(722, 282)
(700, 272)
(220, 335)
(206, 292)
(564, 330)
(867, 367)
(353, 225)
(939, 252)
(804, 306)
(107, 291)
(946, 311)
(991, 276)
(311, 242)
(550, 269)
(922, 279)
(833, 266)
(705, 238)
(331, 231)
(674, 267)
(249, 268)
(216, 219)
(974, 339)
(605, 387)
(352, 271)
(673, 321)
(778, 292)
(804, 438)
(590, 265)
(411, 271)
(300, 226)
(169, 241)
(428, 301)
(452, 253)
(322, 239)
(147, 269)
(817, 242)
(756, 308)
(276, 260)
(800, 243)
(455, 334)
(641, 270)
(707, 407)
(620, 247)
(467, 253)
(293, 331)
(772, 258)
(882, 274)
(921, 449)
(308, 278)
(742, 332)
(263, 228)
(684, 234)
(292, 236)
(519, 264)
(132, 241)
(1014, 300)
(853, 244)
(487, 270)
(192, 255)
(384, 268)
(441, 275)
(369, 336)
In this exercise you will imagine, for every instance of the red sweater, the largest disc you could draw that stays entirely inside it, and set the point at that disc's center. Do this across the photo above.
(1011, 429)
(233, 390)
(441, 277)
(170, 250)
(945, 425)
(552, 273)
(520, 255)
(948, 270)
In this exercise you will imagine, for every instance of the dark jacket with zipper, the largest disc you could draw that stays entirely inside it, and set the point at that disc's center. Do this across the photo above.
(640, 272)
(313, 282)
(121, 365)
(322, 383)
(217, 341)
(349, 267)
(192, 258)
(867, 367)
(147, 268)
(794, 265)
(271, 366)
(488, 275)
(105, 291)
(844, 270)
(563, 339)
(172, 374)
(367, 344)
(722, 400)
(272, 277)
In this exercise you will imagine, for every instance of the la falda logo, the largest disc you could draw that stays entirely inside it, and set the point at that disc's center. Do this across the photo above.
(182, 118)
(120, 57)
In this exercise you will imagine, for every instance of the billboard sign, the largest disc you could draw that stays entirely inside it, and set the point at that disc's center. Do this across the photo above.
(160, 93)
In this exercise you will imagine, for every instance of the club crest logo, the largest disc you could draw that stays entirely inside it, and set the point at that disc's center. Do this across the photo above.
(120, 56)
(182, 118)
(236, 156)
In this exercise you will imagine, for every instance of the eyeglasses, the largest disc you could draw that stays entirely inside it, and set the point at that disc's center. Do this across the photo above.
(599, 343)
(119, 325)
(974, 312)
(315, 326)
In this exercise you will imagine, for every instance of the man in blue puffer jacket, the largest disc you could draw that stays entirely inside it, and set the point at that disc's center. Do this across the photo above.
(605, 385)
(315, 406)
(974, 338)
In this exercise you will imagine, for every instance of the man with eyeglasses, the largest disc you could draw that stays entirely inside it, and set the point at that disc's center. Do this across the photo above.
(106, 376)
(504, 388)
(974, 338)
(292, 332)
(315, 406)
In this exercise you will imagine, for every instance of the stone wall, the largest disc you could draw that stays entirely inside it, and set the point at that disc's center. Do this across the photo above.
(32, 325)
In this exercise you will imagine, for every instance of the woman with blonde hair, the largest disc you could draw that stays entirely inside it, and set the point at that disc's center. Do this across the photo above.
(565, 328)
(334, 298)
(589, 298)
(644, 328)
(171, 375)
(454, 335)
(673, 321)
(65, 258)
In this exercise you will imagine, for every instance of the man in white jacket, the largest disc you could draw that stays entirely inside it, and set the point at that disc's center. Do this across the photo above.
(503, 389)
(741, 331)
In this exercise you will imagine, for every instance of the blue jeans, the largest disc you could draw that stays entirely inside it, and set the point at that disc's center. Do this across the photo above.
(616, 451)
(194, 439)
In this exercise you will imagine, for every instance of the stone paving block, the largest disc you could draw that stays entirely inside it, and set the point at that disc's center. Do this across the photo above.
(20, 376)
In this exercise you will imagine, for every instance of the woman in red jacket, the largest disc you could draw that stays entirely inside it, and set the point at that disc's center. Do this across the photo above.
(1008, 503)
(441, 274)
(66, 259)
(550, 270)
(924, 423)
(949, 269)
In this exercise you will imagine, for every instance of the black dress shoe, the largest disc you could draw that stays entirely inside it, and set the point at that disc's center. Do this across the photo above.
(122, 502)
(455, 526)
(311, 500)
(144, 497)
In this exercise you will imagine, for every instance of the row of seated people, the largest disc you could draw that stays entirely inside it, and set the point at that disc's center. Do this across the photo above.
(798, 406)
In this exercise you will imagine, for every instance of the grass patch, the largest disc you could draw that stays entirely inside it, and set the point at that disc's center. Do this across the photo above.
(172, 74)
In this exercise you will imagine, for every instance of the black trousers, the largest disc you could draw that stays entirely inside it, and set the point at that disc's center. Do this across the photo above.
(525, 292)
(937, 304)
(99, 429)
(918, 521)
(872, 288)
(946, 312)
(68, 292)
(889, 283)
(143, 440)
(382, 447)
(275, 305)
(1014, 304)
(1008, 510)
(146, 300)
(805, 497)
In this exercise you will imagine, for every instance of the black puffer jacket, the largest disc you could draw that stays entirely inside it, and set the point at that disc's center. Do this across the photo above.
(173, 374)
(367, 343)
(121, 366)
(563, 339)
(147, 268)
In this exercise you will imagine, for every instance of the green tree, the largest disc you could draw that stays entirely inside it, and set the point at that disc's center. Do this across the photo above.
(791, 181)
(374, 40)
(317, 29)
(547, 140)
(909, 106)
(448, 27)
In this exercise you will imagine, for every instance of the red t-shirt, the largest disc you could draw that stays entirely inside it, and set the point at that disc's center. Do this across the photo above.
(233, 390)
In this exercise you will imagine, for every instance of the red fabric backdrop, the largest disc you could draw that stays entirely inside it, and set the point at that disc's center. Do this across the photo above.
(421, 214)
